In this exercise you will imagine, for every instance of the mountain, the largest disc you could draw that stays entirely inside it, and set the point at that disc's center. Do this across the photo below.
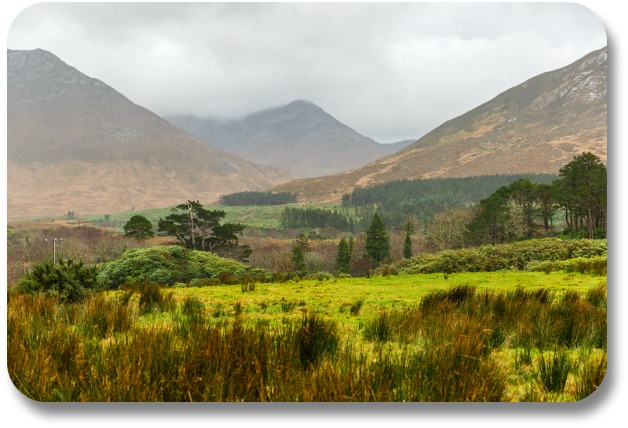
(535, 127)
(299, 137)
(76, 144)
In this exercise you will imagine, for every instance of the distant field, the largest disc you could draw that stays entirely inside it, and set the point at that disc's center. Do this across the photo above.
(254, 217)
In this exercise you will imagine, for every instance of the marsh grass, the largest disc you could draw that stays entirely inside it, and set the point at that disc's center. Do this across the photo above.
(592, 373)
(448, 346)
(554, 369)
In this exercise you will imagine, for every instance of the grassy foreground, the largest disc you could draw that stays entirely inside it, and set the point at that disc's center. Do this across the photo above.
(499, 336)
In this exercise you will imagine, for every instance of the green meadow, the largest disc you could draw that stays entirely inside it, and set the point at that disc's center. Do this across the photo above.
(490, 336)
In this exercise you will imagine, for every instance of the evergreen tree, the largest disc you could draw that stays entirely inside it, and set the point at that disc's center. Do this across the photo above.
(377, 240)
(343, 259)
(200, 229)
(298, 259)
(301, 246)
(407, 243)
(138, 227)
(407, 247)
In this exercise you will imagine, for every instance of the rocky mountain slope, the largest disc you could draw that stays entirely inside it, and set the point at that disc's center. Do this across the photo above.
(299, 137)
(76, 144)
(537, 126)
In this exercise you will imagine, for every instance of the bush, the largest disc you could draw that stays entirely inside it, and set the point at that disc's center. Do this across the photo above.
(169, 265)
(518, 255)
(68, 281)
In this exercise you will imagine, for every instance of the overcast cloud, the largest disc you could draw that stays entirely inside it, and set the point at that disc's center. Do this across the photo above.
(390, 71)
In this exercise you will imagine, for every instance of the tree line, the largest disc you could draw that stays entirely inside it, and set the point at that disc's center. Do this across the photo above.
(258, 198)
(300, 218)
(423, 198)
(524, 209)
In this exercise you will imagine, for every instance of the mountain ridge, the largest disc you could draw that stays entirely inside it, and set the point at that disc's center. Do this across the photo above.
(76, 144)
(534, 127)
(299, 137)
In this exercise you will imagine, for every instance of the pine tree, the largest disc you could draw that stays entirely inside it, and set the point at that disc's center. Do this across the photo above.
(407, 247)
(377, 240)
(407, 243)
(301, 246)
(343, 259)
(138, 227)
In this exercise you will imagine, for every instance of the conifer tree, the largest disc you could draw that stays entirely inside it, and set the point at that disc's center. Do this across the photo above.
(407, 243)
(407, 246)
(343, 259)
(377, 240)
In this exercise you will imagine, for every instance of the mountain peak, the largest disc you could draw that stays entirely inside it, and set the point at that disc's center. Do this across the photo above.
(535, 127)
(74, 143)
(299, 137)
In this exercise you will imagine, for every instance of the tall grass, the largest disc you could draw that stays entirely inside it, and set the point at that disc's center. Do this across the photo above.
(450, 347)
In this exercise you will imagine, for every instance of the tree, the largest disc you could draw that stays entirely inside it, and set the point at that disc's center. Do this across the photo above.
(492, 220)
(582, 193)
(138, 227)
(200, 229)
(377, 240)
(301, 246)
(343, 259)
(407, 247)
(407, 243)
(446, 230)
(524, 194)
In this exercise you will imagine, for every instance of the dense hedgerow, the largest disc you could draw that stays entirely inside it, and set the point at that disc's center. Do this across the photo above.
(170, 265)
(517, 255)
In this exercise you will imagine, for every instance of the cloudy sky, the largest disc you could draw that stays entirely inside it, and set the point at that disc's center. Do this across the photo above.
(390, 71)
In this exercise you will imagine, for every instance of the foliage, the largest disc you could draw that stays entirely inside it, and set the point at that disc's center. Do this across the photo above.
(407, 246)
(424, 198)
(67, 280)
(377, 241)
(459, 347)
(294, 217)
(138, 227)
(258, 198)
(200, 229)
(516, 255)
(166, 265)
(581, 192)
(524, 209)
(343, 257)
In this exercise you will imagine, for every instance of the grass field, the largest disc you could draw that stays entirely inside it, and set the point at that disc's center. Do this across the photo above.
(379, 293)
(254, 217)
(500, 336)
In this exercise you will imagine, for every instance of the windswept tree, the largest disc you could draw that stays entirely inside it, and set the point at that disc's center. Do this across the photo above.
(377, 240)
(138, 227)
(199, 229)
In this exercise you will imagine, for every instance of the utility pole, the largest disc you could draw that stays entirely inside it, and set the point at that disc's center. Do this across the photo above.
(54, 248)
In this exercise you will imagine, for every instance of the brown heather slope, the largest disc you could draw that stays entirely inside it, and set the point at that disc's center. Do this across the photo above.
(537, 127)
(75, 144)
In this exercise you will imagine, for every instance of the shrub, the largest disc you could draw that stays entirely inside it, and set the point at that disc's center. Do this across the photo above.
(168, 265)
(517, 255)
(68, 281)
